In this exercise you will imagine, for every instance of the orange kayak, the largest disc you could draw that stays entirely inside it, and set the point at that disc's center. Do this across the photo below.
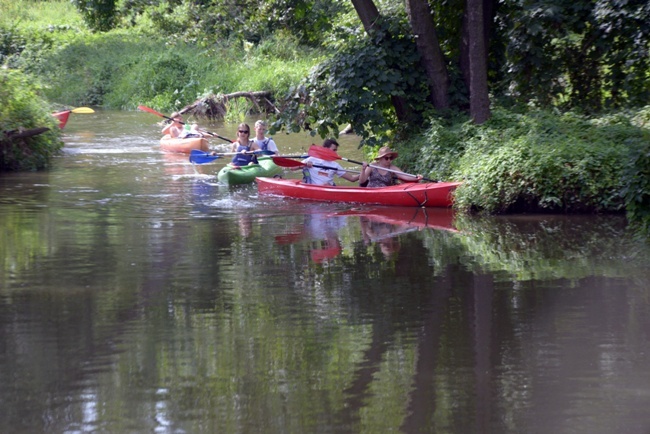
(184, 146)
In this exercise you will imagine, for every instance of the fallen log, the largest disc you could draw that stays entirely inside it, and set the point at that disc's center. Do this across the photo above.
(216, 106)
(22, 133)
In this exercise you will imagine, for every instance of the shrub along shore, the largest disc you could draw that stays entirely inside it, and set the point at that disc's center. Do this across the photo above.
(521, 160)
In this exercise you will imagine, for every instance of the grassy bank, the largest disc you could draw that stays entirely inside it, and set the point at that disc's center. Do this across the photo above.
(122, 69)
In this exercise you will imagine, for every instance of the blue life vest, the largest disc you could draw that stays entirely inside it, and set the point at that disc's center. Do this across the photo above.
(265, 144)
(243, 159)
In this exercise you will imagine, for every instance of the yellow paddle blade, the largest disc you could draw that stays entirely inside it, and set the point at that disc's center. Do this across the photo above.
(82, 110)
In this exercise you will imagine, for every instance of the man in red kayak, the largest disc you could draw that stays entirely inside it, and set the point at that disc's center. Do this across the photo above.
(321, 176)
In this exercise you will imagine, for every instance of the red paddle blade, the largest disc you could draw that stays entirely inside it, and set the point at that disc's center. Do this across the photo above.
(150, 110)
(323, 153)
(287, 162)
(289, 238)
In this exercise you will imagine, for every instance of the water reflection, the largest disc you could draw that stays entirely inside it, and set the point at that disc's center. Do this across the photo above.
(378, 227)
(546, 247)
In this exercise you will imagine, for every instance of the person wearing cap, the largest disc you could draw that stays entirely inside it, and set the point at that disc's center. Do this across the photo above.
(322, 176)
(265, 143)
(175, 127)
(376, 175)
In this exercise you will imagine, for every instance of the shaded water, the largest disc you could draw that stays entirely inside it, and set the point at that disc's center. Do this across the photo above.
(139, 295)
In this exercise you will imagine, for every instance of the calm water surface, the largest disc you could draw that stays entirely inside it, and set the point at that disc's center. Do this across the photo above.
(139, 295)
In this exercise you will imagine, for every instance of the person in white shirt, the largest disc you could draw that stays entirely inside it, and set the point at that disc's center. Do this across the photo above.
(265, 143)
(321, 176)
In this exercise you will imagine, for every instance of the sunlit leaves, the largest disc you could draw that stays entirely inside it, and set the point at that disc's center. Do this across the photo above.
(356, 85)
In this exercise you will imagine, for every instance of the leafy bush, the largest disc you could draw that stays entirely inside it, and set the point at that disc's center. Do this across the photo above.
(539, 161)
(637, 177)
(357, 86)
(23, 109)
(11, 45)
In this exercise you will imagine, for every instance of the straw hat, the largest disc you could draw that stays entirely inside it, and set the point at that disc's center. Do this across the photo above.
(386, 151)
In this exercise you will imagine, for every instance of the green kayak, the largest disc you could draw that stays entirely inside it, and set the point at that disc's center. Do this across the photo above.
(234, 175)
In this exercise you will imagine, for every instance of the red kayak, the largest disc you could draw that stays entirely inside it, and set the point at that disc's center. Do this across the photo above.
(429, 194)
(440, 218)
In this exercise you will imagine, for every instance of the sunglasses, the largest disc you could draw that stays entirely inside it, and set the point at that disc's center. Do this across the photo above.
(389, 158)
(244, 132)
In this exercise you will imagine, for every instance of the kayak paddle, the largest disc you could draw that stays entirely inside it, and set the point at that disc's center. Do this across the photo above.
(287, 162)
(150, 110)
(329, 155)
(202, 157)
(62, 116)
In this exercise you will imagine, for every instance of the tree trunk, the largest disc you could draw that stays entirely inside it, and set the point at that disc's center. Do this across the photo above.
(489, 11)
(23, 134)
(479, 101)
(368, 14)
(367, 11)
(428, 46)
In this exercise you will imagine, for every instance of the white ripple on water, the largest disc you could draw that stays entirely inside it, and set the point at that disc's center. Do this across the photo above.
(232, 203)
(78, 151)
(194, 176)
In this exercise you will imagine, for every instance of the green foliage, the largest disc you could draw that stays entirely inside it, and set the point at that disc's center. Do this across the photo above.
(357, 85)
(22, 108)
(637, 178)
(99, 15)
(23, 48)
(577, 54)
(28, 15)
(537, 161)
(11, 45)
(437, 149)
(121, 70)
(82, 71)
(159, 76)
(209, 23)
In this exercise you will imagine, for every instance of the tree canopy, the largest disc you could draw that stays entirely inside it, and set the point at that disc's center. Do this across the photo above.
(577, 54)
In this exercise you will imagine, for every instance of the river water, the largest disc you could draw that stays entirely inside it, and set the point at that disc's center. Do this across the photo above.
(139, 295)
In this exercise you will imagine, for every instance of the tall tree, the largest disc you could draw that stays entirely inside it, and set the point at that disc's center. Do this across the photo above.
(428, 46)
(479, 101)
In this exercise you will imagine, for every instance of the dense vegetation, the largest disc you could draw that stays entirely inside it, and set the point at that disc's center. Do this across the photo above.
(29, 133)
(569, 84)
